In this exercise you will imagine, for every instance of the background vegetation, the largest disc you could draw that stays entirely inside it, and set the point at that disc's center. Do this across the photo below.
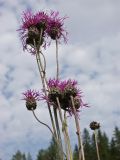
(109, 149)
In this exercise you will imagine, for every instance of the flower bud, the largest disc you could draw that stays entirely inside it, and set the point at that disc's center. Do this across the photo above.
(31, 105)
(70, 91)
(54, 93)
(31, 97)
(94, 125)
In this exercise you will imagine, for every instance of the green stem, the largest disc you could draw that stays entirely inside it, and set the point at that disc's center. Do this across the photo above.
(42, 123)
(68, 138)
(57, 122)
(44, 84)
(96, 143)
(42, 76)
(55, 139)
(58, 129)
(57, 61)
(80, 143)
(64, 125)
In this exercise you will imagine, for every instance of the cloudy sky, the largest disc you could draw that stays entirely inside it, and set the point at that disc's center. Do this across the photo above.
(91, 56)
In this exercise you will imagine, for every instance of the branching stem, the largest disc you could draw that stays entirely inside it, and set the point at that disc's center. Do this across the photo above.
(43, 123)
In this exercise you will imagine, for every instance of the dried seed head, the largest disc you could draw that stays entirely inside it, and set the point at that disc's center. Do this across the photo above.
(94, 125)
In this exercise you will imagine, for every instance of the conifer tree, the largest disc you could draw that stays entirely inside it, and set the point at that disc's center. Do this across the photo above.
(51, 153)
(117, 143)
(103, 145)
(29, 157)
(93, 148)
(42, 155)
(87, 144)
(113, 151)
(75, 153)
(19, 156)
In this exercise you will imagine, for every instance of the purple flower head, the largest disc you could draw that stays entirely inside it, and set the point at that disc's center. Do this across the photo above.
(42, 19)
(54, 90)
(78, 103)
(70, 88)
(36, 28)
(28, 20)
(31, 28)
(31, 96)
(55, 27)
(64, 90)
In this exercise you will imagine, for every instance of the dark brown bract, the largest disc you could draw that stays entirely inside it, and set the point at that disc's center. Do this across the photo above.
(94, 125)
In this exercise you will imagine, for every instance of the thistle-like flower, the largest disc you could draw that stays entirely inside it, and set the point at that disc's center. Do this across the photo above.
(31, 28)
(36, 28)
(54, 90)
(94, 125)
(70, 89)
(31, 97)
(55, 27)
(64, 90)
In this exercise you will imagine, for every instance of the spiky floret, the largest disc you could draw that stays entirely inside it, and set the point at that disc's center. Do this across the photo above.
(37, 28)
(54, 90)
(31, 97)
(31, 28)
(64, 90)
(55, 27)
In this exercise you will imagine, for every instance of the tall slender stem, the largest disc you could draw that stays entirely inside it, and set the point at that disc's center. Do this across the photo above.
(57, 77)
(67, 142)
(80, 143)
(96, 143)
(68, 138)
(42, 123)
(55, 138)
(58, 128)
(44, 84)
(57, 61)
(42, 76)
(50, 113)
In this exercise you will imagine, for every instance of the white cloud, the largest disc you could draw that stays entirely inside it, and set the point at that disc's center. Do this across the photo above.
(91, 56)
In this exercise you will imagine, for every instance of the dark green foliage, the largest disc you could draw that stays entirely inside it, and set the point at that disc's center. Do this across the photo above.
(115, 145)
(109, 149)
(29, 157)
(94, 154)
(75, 153)
(51, 153)
(19, 156)
(113, 150)
(42, 155)
(103, 144)
(88, 148)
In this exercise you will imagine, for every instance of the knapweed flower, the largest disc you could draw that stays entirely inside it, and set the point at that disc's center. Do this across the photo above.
(71, 90)
(31, 97)
(94, 125)
(54, 90)
(31, 28)
(36, 28)
(64, 90)
(55, 27)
